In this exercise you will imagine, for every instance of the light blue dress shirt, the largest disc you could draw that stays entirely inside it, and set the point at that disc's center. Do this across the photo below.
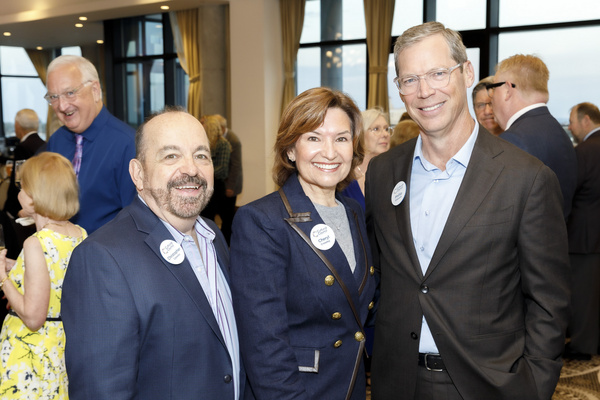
(432, 195)
(206, 267)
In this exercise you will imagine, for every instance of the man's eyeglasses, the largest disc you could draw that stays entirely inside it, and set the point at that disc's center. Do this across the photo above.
(491, 86)
(68, 95)
(436, 79)
(378, 130)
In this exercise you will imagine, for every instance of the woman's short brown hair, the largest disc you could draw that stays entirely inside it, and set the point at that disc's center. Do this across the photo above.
(50, 181)
(305, 114)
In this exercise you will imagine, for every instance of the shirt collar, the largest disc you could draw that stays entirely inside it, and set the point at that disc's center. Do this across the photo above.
(462, 156)
(200, 226)
(96, 127)
(522, 111)
(591, 133)
(26, 136)
(202, 230)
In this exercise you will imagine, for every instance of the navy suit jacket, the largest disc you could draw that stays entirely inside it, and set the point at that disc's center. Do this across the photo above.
(137, 326)
(496, 292)
(584, 221)
(297, 334)
(541, 135)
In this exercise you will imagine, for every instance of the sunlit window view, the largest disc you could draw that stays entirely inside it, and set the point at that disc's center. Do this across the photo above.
(570, 82)
(333, 52)
(21, 88)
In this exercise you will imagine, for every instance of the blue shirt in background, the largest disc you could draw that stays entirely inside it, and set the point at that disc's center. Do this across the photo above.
(105, 186)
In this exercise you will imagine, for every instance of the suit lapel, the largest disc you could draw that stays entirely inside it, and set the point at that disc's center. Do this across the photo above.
(149, 223)
(479, 178)
(301, 203)
(401, 173)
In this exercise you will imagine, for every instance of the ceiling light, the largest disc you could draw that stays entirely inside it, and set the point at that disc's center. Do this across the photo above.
(83, 18)
(6, 33)
(39, 48)
(100, 41)
(79, 25)
(164, 7)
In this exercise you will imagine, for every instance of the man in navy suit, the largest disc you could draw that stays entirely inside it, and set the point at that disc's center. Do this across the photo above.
(584, 234)
(146, 302)
(519, 96)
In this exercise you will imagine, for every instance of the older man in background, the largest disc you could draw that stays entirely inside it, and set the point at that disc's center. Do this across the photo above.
(99, 144)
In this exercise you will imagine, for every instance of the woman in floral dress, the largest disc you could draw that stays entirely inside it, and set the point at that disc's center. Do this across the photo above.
(32, 340)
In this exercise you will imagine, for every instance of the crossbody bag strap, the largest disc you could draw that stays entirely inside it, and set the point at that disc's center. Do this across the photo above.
(305, 217)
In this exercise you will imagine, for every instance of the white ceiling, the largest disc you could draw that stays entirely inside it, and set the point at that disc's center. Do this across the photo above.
(51, 23)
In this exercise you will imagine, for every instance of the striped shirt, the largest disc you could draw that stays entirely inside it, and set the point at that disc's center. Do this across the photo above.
(206, 267)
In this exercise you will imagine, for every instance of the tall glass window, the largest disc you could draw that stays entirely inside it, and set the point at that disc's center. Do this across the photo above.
(21, 88)
(334, 53)
(562, 50)
(461, 15)
(535, 12)
(147, 65)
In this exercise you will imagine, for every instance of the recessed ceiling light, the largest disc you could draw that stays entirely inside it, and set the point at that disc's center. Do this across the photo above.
(100, 41)
(6, 33)
(83, 18)
(79, 25)
(164, 7)
(39, 48)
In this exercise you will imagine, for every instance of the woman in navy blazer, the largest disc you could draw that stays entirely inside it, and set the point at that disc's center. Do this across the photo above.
(301, 277)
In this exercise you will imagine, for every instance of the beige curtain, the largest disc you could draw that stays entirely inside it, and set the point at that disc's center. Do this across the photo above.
(292, 19)
(379, 15)
(186, 31)
(95, 53)
(40, 60)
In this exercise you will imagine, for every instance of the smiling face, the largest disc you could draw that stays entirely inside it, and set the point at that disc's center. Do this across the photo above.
(76, 114)
(377, 137)
(323, 157)
(437, 111)
(175, 174)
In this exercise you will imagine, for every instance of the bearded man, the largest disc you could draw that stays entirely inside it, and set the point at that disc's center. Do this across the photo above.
(146, 301)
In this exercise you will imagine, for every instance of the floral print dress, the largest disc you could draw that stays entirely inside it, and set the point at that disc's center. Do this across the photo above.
(32, 364)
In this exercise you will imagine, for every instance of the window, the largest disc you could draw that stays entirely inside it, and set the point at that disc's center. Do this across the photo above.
(534, 12)
(147, 75)
(461, 14)
(333, 49)
(570, 82)
(21, 88)
(567, 36)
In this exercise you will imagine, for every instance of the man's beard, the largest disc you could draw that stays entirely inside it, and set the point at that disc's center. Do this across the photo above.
(183, 206)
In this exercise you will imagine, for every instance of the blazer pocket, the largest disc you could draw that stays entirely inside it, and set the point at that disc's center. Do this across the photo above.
(308, 359)
(491, 218)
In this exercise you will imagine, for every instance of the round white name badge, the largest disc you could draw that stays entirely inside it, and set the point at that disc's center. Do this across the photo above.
(398, 193)
(172, 252)
(322, 237)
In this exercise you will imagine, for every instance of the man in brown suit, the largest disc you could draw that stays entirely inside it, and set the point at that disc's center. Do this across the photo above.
(470, 239)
